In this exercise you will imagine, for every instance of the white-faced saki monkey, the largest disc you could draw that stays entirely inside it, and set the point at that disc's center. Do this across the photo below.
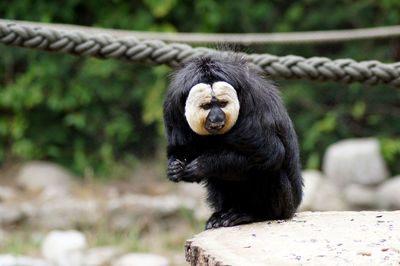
(227, 128)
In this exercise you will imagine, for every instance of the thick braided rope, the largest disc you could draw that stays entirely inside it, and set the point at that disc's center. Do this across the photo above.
(156, 52)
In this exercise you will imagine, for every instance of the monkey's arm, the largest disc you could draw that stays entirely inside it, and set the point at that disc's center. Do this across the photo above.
(233, 165)
(224, 164)
(178, 157)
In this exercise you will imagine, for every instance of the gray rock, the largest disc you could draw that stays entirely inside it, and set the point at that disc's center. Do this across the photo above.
(197, 193)
(55, 192)
(120, 213)
(11, 260)
(29, 209)
(64, 248)
(10, 213)
(141, 259)
(356, 161)
(191, 190)
(179, 260)
(7, 193)
(202, 211)
(3, 236)
(100, 256)
(165, 204)
(143, 209)
(65, 213)
(312, 179)
(360, 196)
(320, 194)
(310, 238)
(388, 194)
(329, 198)
(38, 175)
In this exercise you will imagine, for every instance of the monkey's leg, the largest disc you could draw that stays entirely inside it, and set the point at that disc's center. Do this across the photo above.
(228, 218)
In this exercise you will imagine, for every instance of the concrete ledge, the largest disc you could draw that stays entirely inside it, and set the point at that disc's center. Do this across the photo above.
(310, 238)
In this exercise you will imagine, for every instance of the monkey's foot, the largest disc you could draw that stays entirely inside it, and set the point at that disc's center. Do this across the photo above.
(228, 218)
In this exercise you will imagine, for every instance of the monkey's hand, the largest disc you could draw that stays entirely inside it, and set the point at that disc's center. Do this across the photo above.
(175, 169)
(195, 170)
(192, 172)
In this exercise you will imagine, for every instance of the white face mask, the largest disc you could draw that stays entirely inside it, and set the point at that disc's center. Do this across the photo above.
(200, 95)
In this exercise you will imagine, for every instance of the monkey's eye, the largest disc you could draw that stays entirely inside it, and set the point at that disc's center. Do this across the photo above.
(222, 104)
(206, 106)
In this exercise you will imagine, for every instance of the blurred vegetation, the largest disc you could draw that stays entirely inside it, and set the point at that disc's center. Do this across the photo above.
(164, 237)
(88, 114)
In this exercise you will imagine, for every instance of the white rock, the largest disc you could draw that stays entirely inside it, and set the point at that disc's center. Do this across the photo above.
(388, 194)
(356, 161)
(141, 259)
(64, 248)
(360, 196)
(320, 194)
(100, 256)
(11, 260)
(7, 193)
(38, 175)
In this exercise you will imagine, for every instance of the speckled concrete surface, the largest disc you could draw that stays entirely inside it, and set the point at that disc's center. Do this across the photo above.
(310, 238)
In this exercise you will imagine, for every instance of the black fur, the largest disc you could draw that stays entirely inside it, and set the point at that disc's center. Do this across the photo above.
(252, 172)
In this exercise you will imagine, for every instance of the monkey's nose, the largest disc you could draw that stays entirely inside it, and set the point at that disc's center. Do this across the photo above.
(215, 120)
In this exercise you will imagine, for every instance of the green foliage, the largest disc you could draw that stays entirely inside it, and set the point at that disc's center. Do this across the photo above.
(88, 114)
(391, 152)
(160, 8)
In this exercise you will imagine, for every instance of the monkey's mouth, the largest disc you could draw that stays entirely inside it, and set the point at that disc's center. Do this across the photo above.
(214, 128)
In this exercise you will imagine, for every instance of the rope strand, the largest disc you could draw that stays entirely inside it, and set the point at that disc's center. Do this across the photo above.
(287, 38)
(156, 52)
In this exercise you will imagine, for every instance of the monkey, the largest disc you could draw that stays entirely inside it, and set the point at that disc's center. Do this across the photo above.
(227, 128)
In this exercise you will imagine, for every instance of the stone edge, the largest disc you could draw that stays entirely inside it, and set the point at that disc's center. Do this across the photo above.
(195, 255)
